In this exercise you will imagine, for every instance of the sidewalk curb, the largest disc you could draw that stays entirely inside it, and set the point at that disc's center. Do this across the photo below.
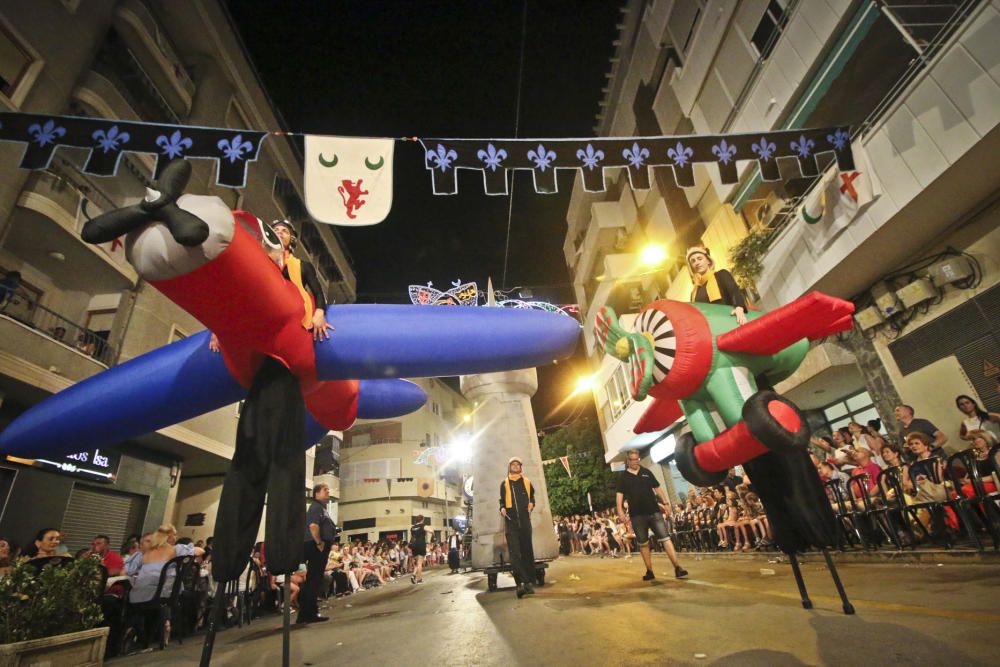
(953, 556)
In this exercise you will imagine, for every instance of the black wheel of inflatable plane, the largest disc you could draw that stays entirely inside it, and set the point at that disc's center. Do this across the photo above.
(688, 466)
(776, 422)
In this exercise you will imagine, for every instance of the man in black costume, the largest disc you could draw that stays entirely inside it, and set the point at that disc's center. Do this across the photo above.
(517, 500)
(319, 536)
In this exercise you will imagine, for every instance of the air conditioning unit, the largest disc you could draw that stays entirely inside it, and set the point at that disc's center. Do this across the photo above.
(917, 292)
(951, 270)
(886, 300)
(868, 318)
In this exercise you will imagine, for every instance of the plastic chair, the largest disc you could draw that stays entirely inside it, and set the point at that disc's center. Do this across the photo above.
(847, 527)
(980, 505)
(873, 518)
(166, 599)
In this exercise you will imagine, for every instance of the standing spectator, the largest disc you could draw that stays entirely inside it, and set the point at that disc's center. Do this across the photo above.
(320, 533)
(47, 542)
(647, 504)
(10, 287)
(974, 418)
(912, 424)
(517, 500)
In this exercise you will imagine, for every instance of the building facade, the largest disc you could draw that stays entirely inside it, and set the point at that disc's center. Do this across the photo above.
(393, 470)
(81, 309)
(919, 86)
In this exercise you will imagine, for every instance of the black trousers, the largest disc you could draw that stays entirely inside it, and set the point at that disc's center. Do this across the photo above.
(309, 593)
(267, 462)
(522, 551)
(453, 559)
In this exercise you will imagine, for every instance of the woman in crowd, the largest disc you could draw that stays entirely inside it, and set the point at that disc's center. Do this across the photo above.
(47, 542)
(8, 556)
(982, 442)
(732, 520)
(162, 548)
(891, 456)
(974, 418)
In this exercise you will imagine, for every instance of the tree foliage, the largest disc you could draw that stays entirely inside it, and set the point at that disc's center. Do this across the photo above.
(581, 441)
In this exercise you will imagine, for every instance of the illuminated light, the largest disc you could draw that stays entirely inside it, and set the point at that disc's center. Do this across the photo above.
(653, 254)
(585, 383)
(467, 418)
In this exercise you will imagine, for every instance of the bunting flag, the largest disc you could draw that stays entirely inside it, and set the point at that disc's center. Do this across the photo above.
(839, 198)
(591, 157)
(565, 461)
(108, 140)
(348, 180)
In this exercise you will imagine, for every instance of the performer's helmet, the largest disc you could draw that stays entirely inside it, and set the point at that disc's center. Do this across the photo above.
(695, 250)
(291, 228)
(512, 459)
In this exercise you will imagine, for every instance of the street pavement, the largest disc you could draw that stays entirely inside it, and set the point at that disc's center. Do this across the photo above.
(595, 611)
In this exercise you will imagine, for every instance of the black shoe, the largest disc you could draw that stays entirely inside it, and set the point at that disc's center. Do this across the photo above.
(529, 589)
(318, 619)
(680, 572)
(649, 576)
(520, 591)
(413, 579)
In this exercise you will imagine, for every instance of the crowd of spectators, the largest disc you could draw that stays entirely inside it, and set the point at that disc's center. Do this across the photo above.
(862, 468)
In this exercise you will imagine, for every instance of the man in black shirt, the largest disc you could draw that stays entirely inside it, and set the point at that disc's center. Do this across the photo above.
(517, 500)
(646, 504)
(911, 424)
(418, 544)
(320, 533)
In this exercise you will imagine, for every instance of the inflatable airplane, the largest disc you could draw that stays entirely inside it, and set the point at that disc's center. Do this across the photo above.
(195, 251)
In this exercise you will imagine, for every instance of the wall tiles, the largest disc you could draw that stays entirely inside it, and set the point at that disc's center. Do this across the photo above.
(970, 88)
(943, 122)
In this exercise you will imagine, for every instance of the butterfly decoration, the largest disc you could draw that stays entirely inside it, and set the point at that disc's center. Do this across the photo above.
(460, 294)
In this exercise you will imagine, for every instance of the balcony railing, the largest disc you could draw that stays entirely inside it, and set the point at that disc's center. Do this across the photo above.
(789, 211)
(51, 324)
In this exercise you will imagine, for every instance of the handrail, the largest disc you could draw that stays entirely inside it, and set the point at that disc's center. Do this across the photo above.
(54, 326)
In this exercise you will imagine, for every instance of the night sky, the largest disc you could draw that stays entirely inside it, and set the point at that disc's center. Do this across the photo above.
(445, 69)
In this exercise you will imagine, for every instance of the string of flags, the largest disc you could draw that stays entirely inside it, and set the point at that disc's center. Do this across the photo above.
(349, 180)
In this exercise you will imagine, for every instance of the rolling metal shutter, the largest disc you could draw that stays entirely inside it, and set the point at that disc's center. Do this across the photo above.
(92, 511)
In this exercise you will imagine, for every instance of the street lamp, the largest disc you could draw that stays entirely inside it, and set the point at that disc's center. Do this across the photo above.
(583, 383)
(653, 254)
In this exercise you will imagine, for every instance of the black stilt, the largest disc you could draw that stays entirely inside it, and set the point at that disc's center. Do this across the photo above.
(848, 607)
(286, 629)
(806, 602)
(218, 606)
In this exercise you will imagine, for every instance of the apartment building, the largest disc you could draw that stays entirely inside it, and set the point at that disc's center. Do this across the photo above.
(80, 308)
(918, 83)
(393, 470)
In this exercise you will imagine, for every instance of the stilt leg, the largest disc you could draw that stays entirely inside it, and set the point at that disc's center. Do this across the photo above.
(848, 607)
(287, 627)
(218, 606)
(806, 602)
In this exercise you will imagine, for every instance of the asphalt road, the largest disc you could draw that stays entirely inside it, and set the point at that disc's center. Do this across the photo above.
(727, 612)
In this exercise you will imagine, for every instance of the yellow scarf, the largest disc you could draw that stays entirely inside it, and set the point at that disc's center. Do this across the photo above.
(294, 265)
(508, 498)
(708, 281)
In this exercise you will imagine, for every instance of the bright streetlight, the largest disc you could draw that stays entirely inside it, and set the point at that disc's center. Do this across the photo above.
(653, 254)
(583, 384)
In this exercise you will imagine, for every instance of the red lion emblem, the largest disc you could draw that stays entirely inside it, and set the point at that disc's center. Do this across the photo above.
(351, 193)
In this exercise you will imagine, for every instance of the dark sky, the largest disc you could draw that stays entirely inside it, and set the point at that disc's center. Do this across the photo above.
(445, 69)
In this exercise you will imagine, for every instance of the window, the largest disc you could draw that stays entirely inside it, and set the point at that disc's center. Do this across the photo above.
(858, 408)
(617, 390)
(15, 62)
(772, 23)
(683, 22)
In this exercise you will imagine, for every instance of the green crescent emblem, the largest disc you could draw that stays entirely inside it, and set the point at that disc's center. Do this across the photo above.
(375, 165)
(810, 219)
(328, 163)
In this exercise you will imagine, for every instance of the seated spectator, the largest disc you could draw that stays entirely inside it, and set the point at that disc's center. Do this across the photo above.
(865, 464)
(891, 456)
(982, 442)
(100, 547)
(926, 473)
(47, 543)
(974, 418)
(8, 555)
(910, 424)
(162, 548)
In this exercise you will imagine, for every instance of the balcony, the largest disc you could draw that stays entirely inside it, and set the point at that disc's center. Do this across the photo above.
(154, 57)
(33, 338)
(927, 143)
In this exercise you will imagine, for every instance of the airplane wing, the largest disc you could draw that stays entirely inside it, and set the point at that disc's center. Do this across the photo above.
(658, 416)
(812, 316)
